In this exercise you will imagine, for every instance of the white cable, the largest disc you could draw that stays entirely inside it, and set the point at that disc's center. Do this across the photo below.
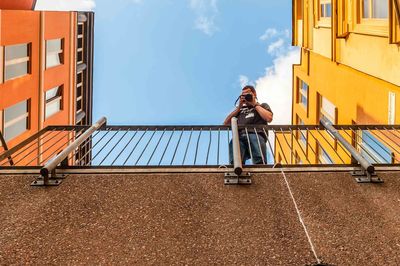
(301, 219)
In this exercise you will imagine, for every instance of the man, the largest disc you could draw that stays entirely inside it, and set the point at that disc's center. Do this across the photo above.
(250, 112)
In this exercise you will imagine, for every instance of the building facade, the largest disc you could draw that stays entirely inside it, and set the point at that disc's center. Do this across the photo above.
(349, 71)
(45, 72)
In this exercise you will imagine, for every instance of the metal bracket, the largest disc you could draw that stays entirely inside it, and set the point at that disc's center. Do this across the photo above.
(366, 177)
(234, 179)
(50, 182)
(54, 180)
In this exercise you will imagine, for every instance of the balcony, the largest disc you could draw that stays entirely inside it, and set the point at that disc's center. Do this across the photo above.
(155, 195)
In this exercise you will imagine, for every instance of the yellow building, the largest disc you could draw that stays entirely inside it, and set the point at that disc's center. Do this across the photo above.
(349, 70)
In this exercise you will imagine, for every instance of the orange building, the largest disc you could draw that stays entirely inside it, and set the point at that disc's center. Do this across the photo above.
(45, 71)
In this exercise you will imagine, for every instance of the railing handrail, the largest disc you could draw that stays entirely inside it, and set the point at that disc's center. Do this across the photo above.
(216, 127)
(52, 164)
(366, 165)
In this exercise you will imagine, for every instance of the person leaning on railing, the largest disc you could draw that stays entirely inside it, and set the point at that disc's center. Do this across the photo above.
(250, 112)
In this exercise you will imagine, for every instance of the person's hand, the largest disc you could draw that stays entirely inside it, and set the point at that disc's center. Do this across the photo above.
(253, 103)
(241, 102)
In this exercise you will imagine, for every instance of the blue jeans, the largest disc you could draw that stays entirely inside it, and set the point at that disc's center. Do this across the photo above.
(258, 155)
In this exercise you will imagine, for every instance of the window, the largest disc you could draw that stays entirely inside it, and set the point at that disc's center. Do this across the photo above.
(80, 44)
(374, 9)
(323, 13)
(16, 120)
(17, 61)
(303, 93)
(327, 110)
(372, 149)
(79, 92)
(324, 156)
(325, 8)
(53, 101)
(394, 24)
(54, 53)
(302, 134)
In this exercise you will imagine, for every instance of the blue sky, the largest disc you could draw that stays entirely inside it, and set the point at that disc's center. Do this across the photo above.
(184, 61)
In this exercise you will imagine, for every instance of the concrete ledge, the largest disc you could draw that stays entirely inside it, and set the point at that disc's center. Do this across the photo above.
(171, 219)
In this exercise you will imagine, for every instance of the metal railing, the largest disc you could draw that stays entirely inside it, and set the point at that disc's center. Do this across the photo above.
(105, 146)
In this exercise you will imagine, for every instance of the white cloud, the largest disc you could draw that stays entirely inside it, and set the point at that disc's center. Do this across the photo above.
(205, 12)
(272, 33)
(244, 80)
(277, 47)
(66, 5)
(269, 33)
(206, 25)
(275, 87)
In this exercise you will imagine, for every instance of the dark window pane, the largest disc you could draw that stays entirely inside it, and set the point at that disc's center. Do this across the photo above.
(79, 105)
(53, 45)
(380, 9)
(52, 108)
(328, 10)
(80, 57)
(16, 51)
(303, 100)
(15, 111)
(377, 151)
(53, 60)
(80, 29)
(52, 93)
(17, 70)
(79, 77)
(365, 8)
(15, 129)
(304, 86)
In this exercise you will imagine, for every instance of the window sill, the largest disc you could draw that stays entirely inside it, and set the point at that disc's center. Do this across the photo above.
(324, 23)
(371, 29)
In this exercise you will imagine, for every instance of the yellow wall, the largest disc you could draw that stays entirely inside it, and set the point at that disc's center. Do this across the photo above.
(354, 66)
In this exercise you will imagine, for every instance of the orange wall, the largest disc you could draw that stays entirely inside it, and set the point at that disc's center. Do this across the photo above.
(21, 27)
(57, 26)
(17, 4)
(35, 27)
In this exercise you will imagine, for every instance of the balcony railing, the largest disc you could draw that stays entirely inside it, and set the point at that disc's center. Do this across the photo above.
(102, 146)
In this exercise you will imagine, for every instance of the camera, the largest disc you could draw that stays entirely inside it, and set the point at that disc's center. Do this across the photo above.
(248, 97)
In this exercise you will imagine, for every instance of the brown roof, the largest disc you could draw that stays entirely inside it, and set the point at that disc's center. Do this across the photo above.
(194, 219)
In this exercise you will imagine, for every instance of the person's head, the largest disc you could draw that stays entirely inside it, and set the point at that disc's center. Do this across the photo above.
(248, 89)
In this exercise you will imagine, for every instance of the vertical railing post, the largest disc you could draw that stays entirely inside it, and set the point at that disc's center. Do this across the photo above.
(4, 144)
(237, 158)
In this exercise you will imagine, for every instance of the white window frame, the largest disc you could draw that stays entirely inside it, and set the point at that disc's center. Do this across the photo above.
(52, 100)
(15, 120)
(59, 53)
(15, 61)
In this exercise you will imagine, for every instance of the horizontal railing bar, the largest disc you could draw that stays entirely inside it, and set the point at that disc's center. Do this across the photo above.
(67, 127)
(221, 127)
(22, 144)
